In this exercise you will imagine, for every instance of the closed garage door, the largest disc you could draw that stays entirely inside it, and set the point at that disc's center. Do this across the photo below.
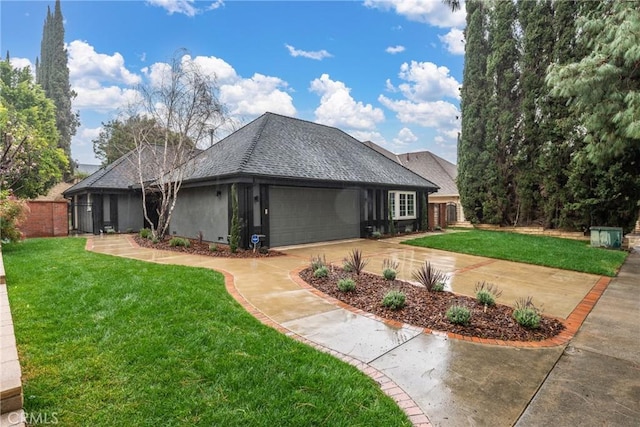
(305, 215)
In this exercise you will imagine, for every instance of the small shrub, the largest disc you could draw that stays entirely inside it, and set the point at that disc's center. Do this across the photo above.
(129, 230)
(179, 241)
(321, 272)
(355, 262)
(213, 247)
(13, 212)
(430, 277)
(318, 261)
(486, 293)
(526, 313)
(394, 300)
(346, 267)
(438, 287)
(145, 233)
(200, 236)
(459, 315)
(154, 240)
(376, 234)
(263, 250)
(389, 274)
(346, 285)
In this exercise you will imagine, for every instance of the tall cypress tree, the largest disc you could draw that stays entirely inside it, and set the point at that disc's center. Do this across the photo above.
(52, 73)
(502, 114)
(471, 144)
(537, 45)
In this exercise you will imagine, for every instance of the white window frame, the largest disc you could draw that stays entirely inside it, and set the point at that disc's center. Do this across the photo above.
(394, 200)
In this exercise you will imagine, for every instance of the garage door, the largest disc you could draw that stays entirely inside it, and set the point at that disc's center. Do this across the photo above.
(305, 215)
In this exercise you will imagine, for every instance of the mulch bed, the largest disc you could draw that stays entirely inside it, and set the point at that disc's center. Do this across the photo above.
(427, 309)
(198, 248)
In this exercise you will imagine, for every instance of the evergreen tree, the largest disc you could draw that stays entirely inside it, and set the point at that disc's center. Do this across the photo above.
(604, 92)
(471, 158)
(537, 43)
(52, 73)
(502, 114)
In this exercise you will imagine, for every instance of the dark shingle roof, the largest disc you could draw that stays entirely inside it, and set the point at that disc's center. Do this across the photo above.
(285, 147)
(121, 174)
(433, 168)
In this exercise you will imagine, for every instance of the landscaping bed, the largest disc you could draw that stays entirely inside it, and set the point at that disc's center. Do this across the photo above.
(204, 248)
(427, 309)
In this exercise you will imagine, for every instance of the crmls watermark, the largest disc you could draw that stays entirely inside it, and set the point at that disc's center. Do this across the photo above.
(33, 418)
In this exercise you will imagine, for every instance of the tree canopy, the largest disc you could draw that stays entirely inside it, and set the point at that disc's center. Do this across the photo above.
(551, 131)
(31, 161)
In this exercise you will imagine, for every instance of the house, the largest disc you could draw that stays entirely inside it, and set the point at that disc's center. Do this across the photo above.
(109, 198)
(297, 182)
(445, 207)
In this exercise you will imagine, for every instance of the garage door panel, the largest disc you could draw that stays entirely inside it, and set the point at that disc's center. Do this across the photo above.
(303, 215)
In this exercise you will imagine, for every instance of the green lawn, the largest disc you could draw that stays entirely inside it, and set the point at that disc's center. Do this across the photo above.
(540, 250)
(106, 341)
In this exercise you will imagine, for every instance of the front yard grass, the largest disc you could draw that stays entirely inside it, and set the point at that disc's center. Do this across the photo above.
(540, 250)
(107, 341)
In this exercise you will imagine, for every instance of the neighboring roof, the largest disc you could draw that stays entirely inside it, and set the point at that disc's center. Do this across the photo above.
(87, 169)
(55, 192)
(121, 174)
(284, 147)
(382, 150)
(433, 168)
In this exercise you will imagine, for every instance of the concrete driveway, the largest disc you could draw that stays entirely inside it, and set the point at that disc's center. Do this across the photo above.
(453, 381)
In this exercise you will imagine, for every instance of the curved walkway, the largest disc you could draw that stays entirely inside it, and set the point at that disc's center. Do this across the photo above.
(456, 381)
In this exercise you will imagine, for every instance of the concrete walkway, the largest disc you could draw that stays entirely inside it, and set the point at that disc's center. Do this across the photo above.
(452, 381)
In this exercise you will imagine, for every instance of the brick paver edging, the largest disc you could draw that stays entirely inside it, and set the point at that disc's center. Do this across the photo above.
(572, 323)
(415, 414)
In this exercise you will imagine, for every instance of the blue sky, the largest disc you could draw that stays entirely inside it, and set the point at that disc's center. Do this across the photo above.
(385, 71)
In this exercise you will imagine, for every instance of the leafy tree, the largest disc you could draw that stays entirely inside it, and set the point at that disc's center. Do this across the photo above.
(472, 161)
(603, 89)
(30, 161)
(52, 73)
(116, 137)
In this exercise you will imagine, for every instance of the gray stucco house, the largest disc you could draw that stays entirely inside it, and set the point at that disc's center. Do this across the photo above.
(298, 182)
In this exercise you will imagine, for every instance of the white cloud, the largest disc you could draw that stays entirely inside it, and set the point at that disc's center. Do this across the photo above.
(242, 96)
(454, 41)
(103, 99)
(438, 114)
(405, 136)
(87, 67)
(257, 95)
(426, 81)
(364, 135)
(21, 63)
(395, 49)
(338, 108)
(318, 55)
(82, 144)
(176, 6)
(186, 7)
(433, 12)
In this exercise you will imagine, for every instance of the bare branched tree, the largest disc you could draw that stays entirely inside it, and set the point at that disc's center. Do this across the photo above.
(183, 111)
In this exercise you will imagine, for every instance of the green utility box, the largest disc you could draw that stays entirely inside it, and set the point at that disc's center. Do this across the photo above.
(607, 237)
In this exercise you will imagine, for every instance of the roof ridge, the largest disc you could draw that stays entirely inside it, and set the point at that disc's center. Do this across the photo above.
(254, 141)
